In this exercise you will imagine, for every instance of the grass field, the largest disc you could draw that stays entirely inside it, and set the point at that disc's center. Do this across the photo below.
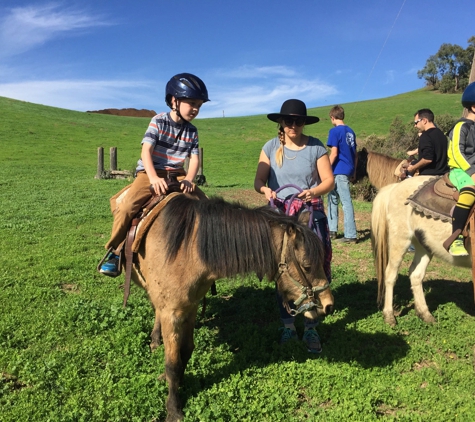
(69, 351)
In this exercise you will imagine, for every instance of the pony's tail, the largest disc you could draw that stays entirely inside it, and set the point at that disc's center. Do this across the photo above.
(379, 240)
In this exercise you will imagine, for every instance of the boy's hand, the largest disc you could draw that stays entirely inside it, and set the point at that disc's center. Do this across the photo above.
(187, 186)
(159, 185)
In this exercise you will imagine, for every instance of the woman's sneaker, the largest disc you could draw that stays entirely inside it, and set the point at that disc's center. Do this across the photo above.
(287, 335)
(312, 340)
(111, 266)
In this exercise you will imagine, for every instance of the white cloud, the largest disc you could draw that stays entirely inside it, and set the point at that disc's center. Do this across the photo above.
(234, 96)
(24, 28)
(390, 76)
(81, 95)
(261, 98)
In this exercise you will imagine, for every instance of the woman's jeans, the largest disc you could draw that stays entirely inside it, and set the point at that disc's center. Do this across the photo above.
(342, 194)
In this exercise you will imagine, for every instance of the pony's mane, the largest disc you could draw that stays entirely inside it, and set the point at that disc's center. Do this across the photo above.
(231, 237)
(380, 169)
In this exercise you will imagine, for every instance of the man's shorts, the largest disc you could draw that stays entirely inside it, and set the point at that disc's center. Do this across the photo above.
(460, 178)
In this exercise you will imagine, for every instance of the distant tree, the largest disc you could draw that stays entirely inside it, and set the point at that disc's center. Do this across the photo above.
(448, 70)
(452, 62)
(430, 72)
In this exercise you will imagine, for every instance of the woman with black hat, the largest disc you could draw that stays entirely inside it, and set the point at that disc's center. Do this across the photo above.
(295, 158)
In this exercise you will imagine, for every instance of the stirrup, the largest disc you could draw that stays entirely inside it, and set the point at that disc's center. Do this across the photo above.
(104, 258)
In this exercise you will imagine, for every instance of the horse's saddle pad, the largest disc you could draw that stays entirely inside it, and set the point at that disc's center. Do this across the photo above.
(435, 198)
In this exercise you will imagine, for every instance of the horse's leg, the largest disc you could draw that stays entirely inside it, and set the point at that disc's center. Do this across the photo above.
(417, 272)
(397, 249)
(156, 332)
(187, 344)
(177, 332)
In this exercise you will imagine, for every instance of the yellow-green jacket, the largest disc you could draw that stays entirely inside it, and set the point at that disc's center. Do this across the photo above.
(461, 153)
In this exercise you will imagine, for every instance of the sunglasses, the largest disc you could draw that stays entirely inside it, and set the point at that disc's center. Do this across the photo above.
(297, 121)
(417, 121)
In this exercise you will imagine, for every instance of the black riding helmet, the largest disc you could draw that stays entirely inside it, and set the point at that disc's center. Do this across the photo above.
(185, 85)
(468, 96)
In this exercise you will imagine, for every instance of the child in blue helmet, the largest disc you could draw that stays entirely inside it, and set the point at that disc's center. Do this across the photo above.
(168, 141)
(461, 154)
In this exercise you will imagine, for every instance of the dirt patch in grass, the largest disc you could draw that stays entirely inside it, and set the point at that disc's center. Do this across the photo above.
(246, 196)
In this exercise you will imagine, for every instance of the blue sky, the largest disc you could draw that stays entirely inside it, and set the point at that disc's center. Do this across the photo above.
(252, 55)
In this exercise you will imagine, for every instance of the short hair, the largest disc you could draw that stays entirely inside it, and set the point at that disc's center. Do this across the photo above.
(337, 112)
(425, 113)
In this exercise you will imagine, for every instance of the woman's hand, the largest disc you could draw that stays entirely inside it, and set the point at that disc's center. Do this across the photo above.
(268, 193)
(306, 195)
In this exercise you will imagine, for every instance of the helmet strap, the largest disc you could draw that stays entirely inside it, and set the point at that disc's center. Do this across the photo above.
(177, 109)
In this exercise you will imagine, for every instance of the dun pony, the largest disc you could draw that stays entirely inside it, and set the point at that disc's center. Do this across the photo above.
(192, 243)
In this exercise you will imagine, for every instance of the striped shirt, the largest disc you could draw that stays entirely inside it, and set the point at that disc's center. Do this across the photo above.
(172, 142)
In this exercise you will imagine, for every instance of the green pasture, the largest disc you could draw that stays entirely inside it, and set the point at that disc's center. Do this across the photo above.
(69, 351)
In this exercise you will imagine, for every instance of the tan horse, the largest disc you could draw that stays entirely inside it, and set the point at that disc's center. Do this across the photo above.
(193, 243)
(379, 168)
(394, 226)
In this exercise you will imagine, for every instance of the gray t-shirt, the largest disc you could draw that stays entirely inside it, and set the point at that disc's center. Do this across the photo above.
(298, 167)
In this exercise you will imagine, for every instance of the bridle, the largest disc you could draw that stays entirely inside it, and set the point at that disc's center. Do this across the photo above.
(307, 290)
(304, 285)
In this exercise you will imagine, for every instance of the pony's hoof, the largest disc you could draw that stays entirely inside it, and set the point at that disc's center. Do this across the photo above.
(427, 318)
(175, 417)
(154, 345)
(389, 319)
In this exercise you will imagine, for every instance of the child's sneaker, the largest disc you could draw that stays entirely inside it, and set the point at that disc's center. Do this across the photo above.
(111, 266)
(457, 247)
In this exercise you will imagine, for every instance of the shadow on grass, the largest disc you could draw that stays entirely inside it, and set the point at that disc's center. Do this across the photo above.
(248, 323)
(437, 292)
(364, 235)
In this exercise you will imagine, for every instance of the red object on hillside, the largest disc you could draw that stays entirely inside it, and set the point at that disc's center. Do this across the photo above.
(130, 112)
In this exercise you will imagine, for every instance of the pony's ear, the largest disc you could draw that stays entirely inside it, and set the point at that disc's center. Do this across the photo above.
(291, 231)
(304, 217)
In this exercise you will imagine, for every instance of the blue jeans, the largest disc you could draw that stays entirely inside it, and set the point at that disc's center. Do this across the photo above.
(342, 194)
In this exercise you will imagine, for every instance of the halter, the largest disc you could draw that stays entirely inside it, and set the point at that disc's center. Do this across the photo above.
(307, 290)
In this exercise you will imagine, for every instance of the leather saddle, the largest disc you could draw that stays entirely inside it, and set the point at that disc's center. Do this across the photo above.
(143, 221)
(435, 198)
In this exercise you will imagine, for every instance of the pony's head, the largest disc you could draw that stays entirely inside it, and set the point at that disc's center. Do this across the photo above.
(300, 277)
(361, 166)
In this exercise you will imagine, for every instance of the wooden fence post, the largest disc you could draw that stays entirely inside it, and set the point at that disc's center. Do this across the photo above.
(113, 158)
(200, 168)
(200, 179)
(100, 163)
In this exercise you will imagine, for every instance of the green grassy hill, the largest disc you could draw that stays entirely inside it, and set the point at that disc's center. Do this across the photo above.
(52, 136)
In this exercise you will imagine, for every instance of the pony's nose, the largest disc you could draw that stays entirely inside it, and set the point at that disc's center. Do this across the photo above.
(329, 309)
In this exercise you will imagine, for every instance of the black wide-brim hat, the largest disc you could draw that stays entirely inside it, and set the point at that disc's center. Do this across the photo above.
(293, 108)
